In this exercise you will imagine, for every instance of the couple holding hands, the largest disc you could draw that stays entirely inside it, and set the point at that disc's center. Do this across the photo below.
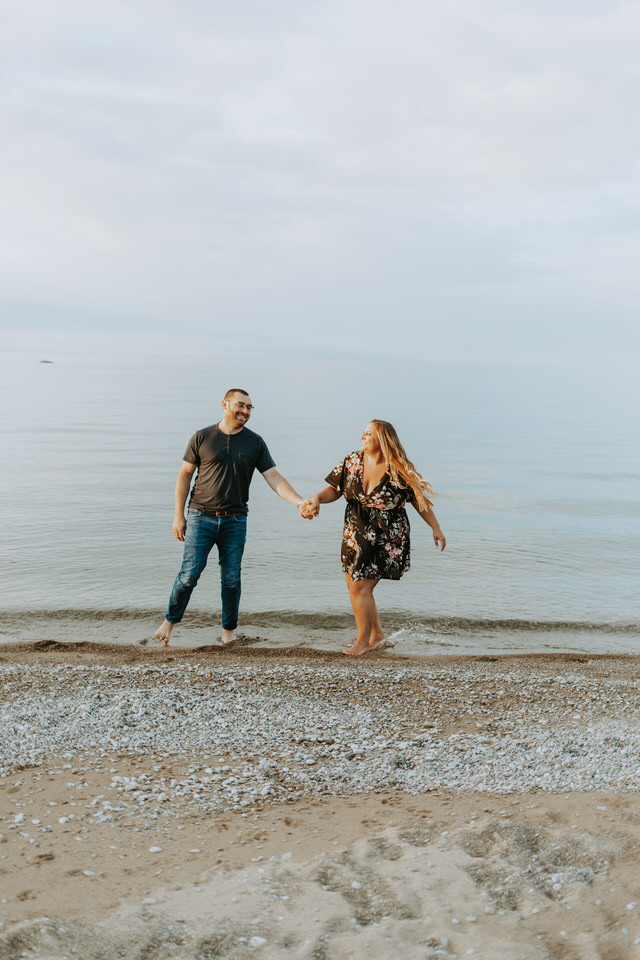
(376, 482)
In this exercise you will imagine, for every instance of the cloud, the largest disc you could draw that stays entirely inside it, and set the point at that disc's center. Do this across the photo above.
(347, 170)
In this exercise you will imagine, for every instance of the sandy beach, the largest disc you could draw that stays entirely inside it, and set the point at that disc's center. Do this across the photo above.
(238, 803)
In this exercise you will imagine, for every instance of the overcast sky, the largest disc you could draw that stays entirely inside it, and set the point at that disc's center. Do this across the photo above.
(448, 180)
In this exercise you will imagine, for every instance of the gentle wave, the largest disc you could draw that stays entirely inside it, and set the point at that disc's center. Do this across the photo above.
(324, 621)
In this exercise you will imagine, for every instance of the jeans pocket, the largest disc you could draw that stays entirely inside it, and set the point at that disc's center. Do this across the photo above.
(192, 512)
(240, 518)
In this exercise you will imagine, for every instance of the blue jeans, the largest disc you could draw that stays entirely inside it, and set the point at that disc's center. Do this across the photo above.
(203, 531)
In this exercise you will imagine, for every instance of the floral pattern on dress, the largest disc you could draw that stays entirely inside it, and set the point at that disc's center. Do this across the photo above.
(375, 539)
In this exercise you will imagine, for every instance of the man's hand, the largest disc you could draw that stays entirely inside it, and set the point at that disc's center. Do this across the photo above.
(183, 482)
(178, 528)
(308, 510)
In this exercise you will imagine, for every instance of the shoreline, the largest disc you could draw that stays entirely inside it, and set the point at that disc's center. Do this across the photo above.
(407, 635)
(246, 648)
(233, 802)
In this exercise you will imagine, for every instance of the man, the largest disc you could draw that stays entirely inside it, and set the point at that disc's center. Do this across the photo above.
(225, 456)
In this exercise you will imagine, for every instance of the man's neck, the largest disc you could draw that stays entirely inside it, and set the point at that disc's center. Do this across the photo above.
(229, 428)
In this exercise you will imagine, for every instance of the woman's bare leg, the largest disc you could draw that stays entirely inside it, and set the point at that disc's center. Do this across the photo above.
(377, 637)
(365, 612)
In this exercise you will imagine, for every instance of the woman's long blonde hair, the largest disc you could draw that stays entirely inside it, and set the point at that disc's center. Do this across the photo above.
(399, 466)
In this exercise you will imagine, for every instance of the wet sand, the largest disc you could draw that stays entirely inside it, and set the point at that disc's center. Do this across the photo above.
(328, 631)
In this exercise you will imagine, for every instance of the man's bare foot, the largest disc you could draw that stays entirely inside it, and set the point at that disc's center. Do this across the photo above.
(163, 634)
(227, 638)
(356, 649)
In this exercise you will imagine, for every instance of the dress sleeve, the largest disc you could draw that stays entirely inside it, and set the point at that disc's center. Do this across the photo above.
(337, 476)
(411, 497)
(403, 489)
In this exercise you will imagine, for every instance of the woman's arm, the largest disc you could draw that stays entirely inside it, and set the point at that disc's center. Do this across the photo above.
(328, 495)
(429, 517)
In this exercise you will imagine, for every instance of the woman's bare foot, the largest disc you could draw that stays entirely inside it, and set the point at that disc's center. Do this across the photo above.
(377, 643)
(228, 636)
(357, 649)
(163, 634)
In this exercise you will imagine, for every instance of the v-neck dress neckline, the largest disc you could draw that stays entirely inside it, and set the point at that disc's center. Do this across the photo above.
(373, 489)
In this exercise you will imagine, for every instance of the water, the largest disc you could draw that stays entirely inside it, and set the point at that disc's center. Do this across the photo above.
(537, 471)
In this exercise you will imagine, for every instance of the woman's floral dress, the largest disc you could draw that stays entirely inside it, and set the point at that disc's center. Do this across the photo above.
(375, 540)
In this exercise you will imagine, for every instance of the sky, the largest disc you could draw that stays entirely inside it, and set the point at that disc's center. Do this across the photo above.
(447, 181)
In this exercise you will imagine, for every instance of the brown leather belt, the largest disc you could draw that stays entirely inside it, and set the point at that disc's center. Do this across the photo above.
(223, 513)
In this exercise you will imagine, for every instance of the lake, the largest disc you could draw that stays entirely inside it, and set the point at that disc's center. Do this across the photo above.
(537, 471)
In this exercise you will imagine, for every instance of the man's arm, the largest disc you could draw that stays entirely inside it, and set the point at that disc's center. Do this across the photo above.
(282, 487)
(181, 493)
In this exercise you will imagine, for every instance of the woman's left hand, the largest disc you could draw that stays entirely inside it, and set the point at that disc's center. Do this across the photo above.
(439, 538)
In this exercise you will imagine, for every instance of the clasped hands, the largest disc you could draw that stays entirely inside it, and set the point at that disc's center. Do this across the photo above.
(308, 509)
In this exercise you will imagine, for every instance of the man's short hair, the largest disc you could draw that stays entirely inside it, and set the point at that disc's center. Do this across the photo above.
(233, 390)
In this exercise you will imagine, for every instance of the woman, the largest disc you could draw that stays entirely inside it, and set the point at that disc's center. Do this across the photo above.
(376, 482)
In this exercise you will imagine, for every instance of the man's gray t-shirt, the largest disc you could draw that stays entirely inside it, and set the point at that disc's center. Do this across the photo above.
(225, 463)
